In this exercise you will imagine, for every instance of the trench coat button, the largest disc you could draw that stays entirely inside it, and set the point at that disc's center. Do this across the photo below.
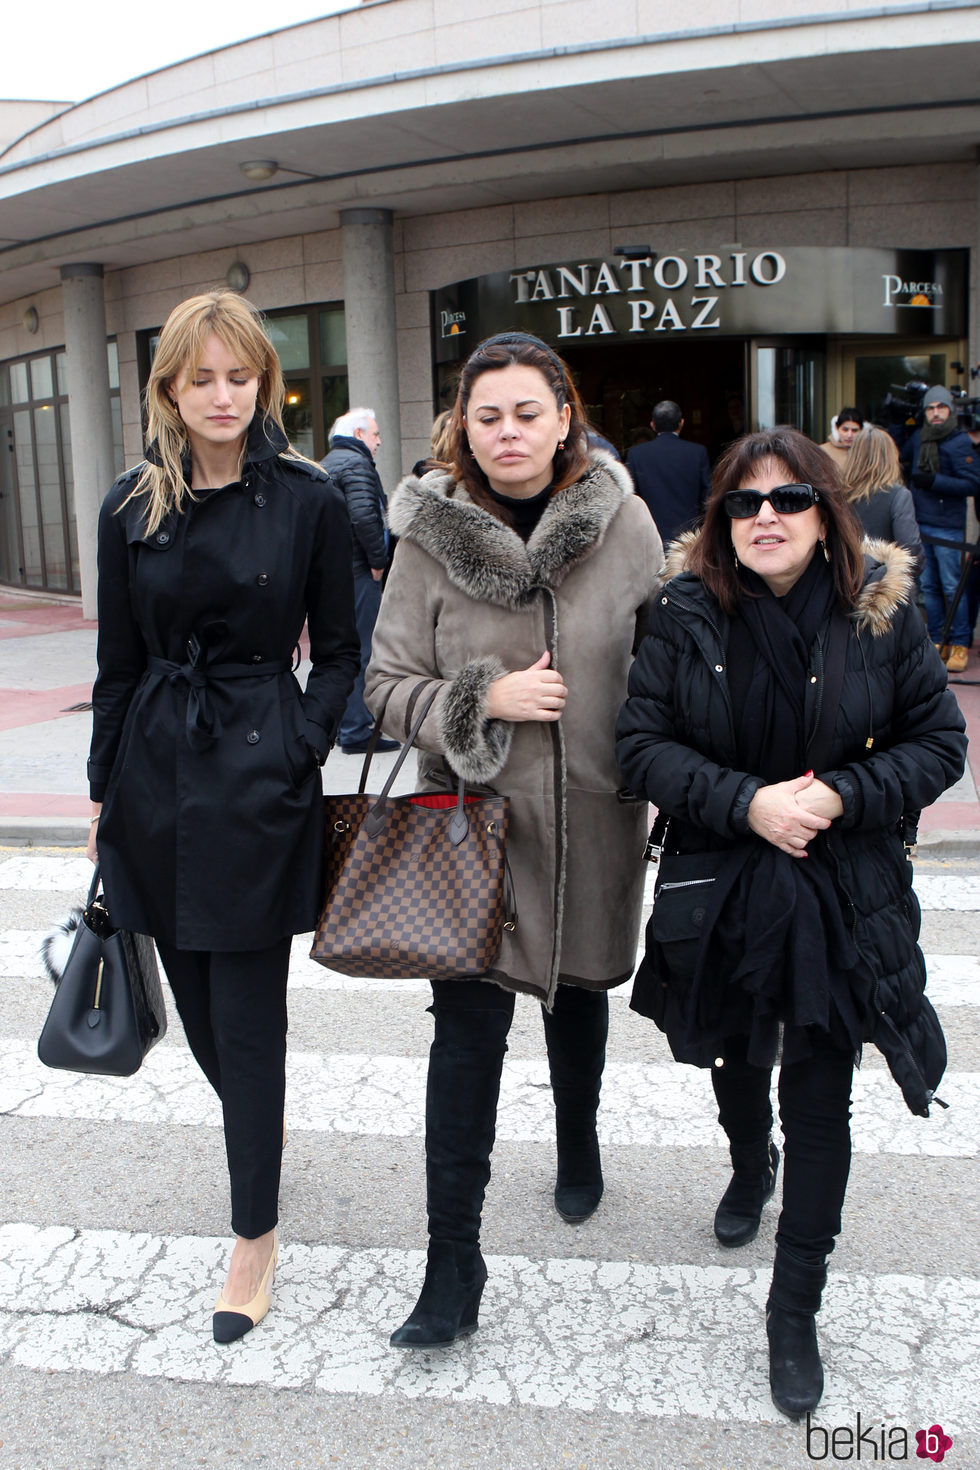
(263, 579)
(163, 537)
(258, 500)
(253, 737)
(256, 658)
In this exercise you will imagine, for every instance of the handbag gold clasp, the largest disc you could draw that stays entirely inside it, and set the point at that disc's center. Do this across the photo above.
(98, 986)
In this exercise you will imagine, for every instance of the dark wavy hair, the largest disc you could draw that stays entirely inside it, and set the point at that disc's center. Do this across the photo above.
(509, 349)
(712, 558)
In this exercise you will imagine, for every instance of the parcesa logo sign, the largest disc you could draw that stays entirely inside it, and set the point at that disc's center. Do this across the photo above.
(927, 294)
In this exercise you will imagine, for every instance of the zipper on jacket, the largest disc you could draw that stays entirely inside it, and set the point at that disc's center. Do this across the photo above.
(684, 883)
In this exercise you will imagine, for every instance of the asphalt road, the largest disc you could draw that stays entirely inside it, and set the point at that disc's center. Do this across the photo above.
(633, 1341)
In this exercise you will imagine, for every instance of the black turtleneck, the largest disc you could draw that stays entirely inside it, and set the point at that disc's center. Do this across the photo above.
(524, 511)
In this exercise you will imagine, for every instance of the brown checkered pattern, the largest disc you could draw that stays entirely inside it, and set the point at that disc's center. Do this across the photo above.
(408, 904)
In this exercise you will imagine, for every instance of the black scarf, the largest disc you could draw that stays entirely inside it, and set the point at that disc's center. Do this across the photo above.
(932, 435)
(770, 644)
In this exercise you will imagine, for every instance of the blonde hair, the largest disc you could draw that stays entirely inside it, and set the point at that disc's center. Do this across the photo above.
(238, 325)
(441, 438)
(872, 464)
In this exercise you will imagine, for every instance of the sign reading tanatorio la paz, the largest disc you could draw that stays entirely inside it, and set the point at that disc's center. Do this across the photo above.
(728, 292)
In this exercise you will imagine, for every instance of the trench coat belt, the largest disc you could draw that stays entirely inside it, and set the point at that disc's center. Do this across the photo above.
(203, 723)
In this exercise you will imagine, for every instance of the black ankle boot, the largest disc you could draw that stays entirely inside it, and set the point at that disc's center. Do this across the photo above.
(752, 1184)
(449, 1304)
(578, 1187)
(575, 1032)
(795, 1369)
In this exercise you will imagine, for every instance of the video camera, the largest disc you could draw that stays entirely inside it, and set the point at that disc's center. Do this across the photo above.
(904, 402)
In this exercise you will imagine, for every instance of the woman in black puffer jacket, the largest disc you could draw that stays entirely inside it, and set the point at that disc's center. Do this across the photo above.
(788, 714)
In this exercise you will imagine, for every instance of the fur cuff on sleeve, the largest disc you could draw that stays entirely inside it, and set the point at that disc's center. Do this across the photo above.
(475, 746)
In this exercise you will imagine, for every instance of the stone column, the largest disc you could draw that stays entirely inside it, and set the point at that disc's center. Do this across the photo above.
(372, 343)
(83, 295)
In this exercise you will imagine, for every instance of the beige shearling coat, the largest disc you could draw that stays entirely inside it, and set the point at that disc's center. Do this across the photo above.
(467, 601)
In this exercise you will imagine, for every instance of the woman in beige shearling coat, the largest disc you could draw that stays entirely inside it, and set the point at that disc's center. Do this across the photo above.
(519, 589)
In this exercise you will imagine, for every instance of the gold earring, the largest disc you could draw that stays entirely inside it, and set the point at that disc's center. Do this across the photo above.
(561, 446)
(823, 544)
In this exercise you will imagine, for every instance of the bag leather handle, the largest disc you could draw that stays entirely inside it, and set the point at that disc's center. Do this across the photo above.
(94, 886)
(376, 819)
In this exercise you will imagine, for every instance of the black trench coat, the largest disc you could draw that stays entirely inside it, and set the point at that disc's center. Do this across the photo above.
(205, 752)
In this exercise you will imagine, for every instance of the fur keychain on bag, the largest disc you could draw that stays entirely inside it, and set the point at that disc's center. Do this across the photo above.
(56, 945)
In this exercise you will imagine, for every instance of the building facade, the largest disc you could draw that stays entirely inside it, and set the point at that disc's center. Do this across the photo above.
(764, 217)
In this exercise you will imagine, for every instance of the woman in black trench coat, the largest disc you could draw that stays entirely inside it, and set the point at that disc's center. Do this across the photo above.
(789, 715)
(204, 765)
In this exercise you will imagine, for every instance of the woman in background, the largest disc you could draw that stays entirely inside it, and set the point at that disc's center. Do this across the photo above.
(876, 492)
(843, 427)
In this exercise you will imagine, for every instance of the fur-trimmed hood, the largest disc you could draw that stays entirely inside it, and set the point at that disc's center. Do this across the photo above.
(889, 579)
(485, 558)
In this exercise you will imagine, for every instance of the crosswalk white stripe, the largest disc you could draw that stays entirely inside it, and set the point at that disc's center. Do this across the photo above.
(948, 893)
(616, 1336)
(954, 979)
(44, 873)
(383, 1096)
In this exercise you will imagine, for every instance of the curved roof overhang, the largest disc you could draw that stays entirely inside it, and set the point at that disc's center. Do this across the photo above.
(892, 86)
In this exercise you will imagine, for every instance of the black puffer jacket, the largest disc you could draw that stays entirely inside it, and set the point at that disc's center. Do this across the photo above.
(350, 465)
(676, 746)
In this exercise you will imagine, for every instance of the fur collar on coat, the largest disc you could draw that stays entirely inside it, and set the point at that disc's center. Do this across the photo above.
(485, 558)
(889, 580)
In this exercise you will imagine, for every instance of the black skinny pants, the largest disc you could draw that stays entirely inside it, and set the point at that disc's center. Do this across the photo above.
(815, 1112)
(233, 1010)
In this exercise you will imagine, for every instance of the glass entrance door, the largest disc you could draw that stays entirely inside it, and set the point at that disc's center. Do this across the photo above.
(11, 557)
(871, 371)
(789, 385)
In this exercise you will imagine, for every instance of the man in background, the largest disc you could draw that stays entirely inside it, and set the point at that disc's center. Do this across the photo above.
(944, 471)
(354, 440)
(672, 476)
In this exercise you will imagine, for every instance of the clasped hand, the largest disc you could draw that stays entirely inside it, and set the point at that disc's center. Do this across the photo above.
(536, 693)
(789, 814)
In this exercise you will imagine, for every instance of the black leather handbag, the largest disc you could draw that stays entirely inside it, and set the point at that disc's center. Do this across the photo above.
(108, 1008)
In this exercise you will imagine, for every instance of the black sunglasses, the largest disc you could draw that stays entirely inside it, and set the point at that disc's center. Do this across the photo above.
(786, 500)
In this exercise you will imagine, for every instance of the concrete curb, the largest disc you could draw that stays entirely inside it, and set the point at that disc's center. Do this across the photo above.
(44, 831)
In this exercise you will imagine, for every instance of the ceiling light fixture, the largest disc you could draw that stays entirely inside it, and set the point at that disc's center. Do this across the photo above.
(259, 169)
(237, 276)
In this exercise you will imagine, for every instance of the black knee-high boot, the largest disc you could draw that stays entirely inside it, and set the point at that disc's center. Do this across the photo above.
(575, 1033)
(795, 1369)
(465, 1063)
